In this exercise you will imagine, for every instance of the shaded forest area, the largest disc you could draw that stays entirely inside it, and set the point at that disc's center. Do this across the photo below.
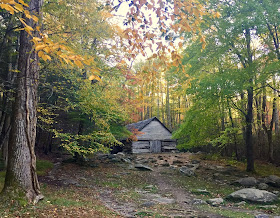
(70, 79)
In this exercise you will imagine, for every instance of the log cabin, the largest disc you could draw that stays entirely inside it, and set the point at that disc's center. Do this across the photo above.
(153, 137)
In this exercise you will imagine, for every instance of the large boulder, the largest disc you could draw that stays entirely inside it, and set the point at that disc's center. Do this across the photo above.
(247, 182)
(273, 181)
(254, 195)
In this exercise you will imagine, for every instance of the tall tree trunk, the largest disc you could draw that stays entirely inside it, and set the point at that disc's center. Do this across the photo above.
(21, 174)
(249, 115)
(249, 135)
(276, 118)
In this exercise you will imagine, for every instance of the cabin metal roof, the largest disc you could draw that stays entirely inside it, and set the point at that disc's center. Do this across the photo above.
(142, 124)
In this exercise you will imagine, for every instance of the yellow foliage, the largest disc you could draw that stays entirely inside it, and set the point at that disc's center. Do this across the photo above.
(7, 7)
(94, 77)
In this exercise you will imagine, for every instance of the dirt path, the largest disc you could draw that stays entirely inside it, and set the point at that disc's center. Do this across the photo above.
(183, 198)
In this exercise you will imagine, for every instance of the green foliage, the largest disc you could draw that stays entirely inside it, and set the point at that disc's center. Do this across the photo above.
(227, 137)
(199, 127)
(87, 144)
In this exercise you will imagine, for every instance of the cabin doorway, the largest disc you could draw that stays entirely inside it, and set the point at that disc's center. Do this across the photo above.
(155, 146)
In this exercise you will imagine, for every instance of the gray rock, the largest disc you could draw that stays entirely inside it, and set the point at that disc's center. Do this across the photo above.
(195, 161)
(254, 195)
(220, 168)
(241, 203)
(215, 201)
(262, 186)
(193, 166)
(111, 156)
(198, 202)
(201, 192)
(115, 160)
(143, 167)
(247, 182)
(102, 156)
(187, 171)
(262, 216)
(177, 162)
(70, 182)
(276, 193)
(120, 154)
(165, 164)
(126, 160)
(163, 200)
(273, 181)
(268, 206)
(148, 204)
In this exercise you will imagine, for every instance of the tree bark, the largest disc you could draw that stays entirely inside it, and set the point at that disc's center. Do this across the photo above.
(168, 111)
(249, 115)
(21, 174)
(249, 136)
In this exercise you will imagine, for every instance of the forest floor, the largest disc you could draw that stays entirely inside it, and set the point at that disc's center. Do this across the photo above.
(111, 188)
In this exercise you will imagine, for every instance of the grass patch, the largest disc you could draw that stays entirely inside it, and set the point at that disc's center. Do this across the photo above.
(225, 212)
(43, 166)
(195, 183)
(266, 169)
(145, 214)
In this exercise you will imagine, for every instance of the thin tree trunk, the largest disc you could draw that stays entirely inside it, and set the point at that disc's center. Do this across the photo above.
(21, 174)
(259, 123)
(168, 112)
(234, 135)
(269, 133)
(158, 107)
(179, 111)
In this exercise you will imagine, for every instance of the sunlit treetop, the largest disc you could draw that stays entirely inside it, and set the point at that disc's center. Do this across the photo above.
(154, 25)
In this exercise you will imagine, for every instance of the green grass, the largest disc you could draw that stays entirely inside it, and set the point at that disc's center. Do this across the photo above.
(194, 183)
(266, 169)
(225, 212)
(43, 166)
